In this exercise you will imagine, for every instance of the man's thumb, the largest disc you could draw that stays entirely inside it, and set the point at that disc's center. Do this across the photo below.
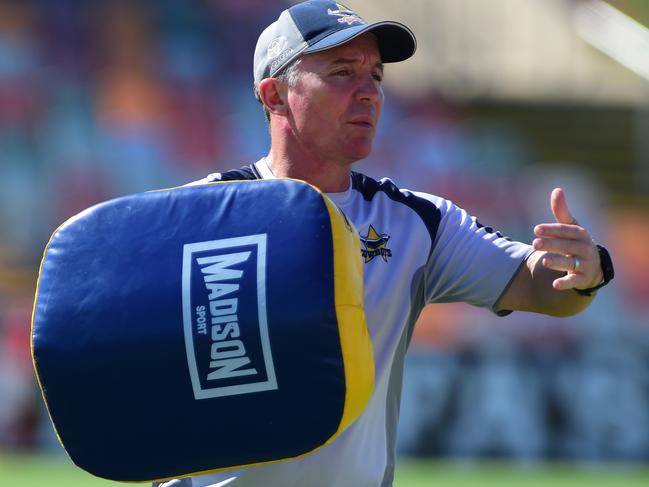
(559, 206)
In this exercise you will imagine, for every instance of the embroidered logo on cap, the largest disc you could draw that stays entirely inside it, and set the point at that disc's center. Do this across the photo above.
(277, 46)
(279, 51)
(346, 15)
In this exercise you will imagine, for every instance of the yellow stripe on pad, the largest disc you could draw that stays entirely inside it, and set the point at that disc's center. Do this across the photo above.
(355, 342)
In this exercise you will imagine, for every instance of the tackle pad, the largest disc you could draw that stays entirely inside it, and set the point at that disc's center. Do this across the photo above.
(202, 328)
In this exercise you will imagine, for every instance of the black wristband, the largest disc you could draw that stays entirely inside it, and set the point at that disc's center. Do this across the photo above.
(607, 271)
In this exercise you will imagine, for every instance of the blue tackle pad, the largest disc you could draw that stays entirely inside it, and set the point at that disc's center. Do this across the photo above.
(202, 328)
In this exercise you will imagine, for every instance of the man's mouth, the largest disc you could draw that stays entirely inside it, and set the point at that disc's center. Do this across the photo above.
(365, 122)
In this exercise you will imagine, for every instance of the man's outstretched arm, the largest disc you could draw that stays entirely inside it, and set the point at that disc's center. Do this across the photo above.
(565, 260)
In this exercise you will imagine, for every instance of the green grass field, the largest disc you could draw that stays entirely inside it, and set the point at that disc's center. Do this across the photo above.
(34, 471)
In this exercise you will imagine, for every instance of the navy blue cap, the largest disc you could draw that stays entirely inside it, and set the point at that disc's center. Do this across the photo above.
(317, 25)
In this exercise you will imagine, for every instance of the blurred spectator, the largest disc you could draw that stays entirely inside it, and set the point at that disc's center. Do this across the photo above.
(19, 407)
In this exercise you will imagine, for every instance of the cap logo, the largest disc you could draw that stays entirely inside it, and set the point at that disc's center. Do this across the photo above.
(277, 46)
(279, 51)
(345, 15)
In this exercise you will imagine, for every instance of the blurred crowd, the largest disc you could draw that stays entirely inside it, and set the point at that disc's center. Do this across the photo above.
(100, 99)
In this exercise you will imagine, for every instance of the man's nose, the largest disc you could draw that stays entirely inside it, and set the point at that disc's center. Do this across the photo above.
(369, 90)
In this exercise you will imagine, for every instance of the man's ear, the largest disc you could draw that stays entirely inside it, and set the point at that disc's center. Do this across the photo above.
(273, 95)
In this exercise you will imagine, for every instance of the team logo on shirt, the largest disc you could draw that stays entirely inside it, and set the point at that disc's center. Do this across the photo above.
(375, 244)
(345, 15)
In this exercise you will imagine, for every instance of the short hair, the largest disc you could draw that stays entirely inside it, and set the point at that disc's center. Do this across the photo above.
(289, 75)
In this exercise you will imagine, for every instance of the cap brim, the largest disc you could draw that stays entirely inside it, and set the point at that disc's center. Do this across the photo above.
(396, 41)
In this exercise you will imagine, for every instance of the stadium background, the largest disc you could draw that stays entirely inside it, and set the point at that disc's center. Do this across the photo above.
(503, 101)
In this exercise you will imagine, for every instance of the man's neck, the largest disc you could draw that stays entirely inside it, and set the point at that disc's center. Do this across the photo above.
(330, 177)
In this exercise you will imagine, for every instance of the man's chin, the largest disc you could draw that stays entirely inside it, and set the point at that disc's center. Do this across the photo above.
(360, 152)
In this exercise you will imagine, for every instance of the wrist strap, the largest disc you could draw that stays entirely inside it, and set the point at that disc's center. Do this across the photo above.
(607, 271)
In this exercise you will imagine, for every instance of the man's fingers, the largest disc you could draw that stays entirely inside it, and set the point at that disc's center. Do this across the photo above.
(561, 230)
(563, 246)
(560, 209)
(581, 272)
(562, 263)
(568, 281)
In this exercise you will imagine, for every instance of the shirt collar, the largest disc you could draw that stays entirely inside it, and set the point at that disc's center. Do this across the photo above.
(338, 198)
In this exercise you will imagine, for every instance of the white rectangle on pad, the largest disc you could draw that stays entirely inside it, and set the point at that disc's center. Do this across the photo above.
(218, 257)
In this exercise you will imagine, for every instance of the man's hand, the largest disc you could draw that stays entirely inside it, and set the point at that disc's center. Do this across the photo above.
(569, 247)
(566, 259)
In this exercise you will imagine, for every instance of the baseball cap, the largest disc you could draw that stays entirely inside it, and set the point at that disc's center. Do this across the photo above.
(316, 25)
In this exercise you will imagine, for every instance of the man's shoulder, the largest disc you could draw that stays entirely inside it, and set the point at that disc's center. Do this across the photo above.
(369, 187)
(423, 204)
(244, 173)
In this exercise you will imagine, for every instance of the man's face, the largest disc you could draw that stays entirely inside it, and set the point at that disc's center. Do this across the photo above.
(336, 102)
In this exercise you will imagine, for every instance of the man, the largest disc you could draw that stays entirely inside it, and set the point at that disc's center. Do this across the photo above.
(318, 71)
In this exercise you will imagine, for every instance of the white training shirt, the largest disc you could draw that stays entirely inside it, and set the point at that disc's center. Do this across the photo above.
(417, 249)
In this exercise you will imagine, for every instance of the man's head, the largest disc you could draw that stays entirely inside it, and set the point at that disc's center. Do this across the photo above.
(316, 25)
(319, 67)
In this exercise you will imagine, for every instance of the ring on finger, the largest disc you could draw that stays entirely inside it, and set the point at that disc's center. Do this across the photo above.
(577, 265)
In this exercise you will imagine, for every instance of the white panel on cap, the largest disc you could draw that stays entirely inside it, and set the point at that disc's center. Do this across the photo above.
(281, 42)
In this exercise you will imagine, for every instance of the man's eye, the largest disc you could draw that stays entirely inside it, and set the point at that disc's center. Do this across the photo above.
(378, 77)
(342, 72)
